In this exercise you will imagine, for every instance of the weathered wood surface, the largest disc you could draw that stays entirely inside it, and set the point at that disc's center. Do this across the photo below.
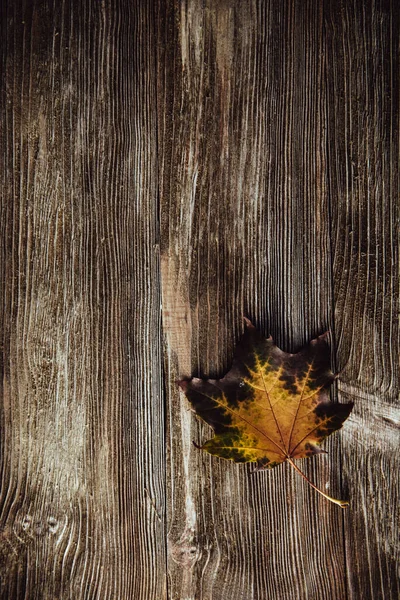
(82, 479)
(363, 123)
(244, 231)
(253, 148)
(279, 190)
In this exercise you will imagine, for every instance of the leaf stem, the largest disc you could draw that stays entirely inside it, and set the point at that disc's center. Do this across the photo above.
(341, 503)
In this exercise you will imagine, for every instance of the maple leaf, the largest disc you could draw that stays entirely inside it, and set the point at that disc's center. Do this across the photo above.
(271, 406)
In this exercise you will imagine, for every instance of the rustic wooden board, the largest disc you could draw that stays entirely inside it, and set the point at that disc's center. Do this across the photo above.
(82, 421)
(278, 185)
(245, 230)
(223, 158)
(363, 97)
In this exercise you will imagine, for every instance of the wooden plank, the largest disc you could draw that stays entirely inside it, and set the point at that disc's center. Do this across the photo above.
(363, 94)
(82, 432)
(278, 136)
(244, 230)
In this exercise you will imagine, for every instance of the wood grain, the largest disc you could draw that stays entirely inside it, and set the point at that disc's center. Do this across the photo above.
(195, 160)
(245, 230)
(363, 83)
(82, 431)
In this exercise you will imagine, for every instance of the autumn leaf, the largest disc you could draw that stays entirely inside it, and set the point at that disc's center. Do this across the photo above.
(271, 406)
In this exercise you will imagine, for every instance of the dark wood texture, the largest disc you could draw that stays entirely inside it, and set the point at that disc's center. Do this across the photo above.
(363, 163)
(279, 185)
(200, 160)
(82, 421)
(245, 231)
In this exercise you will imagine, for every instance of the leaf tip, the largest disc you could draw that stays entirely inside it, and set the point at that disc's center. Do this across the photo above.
(248, 323)
(324, 338)
(183, 384)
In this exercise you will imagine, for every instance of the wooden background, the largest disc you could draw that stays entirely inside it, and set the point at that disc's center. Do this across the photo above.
(166, 168)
